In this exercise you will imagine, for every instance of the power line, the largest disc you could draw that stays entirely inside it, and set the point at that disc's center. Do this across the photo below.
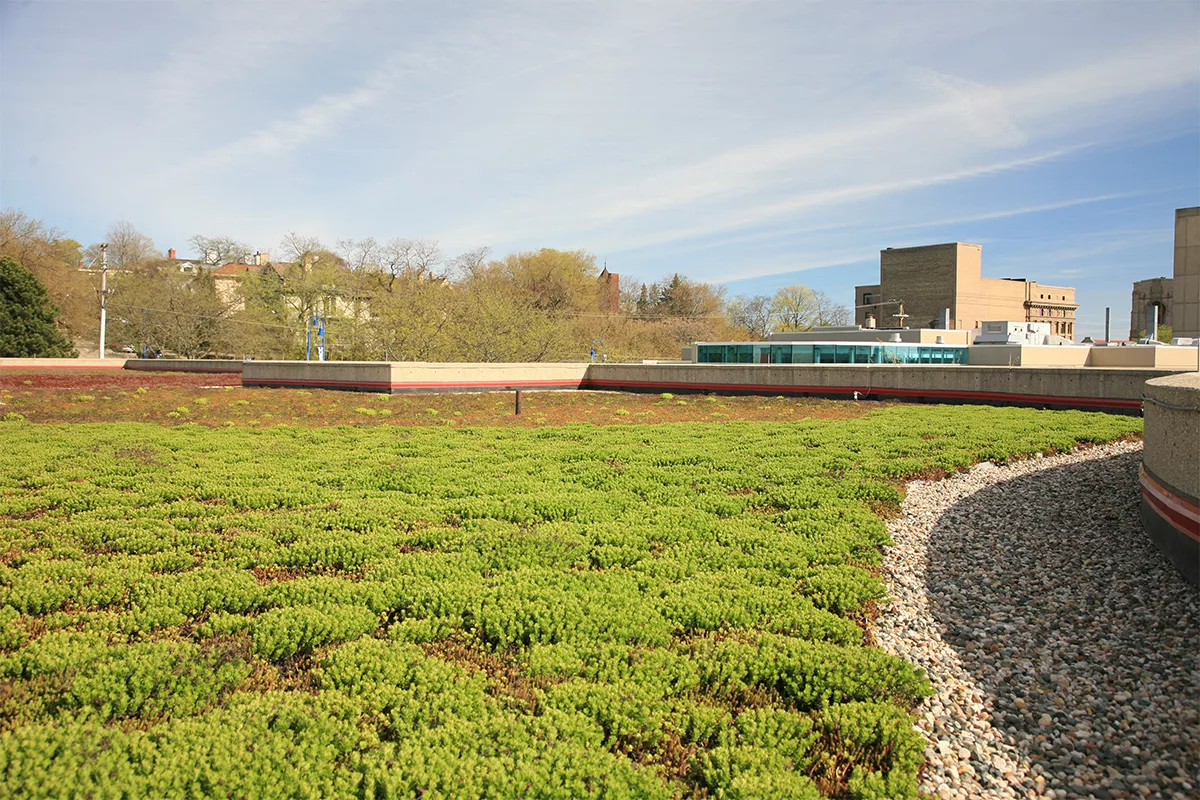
(219, 318)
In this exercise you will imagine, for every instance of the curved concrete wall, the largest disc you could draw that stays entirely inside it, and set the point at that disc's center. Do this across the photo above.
(1170, 477)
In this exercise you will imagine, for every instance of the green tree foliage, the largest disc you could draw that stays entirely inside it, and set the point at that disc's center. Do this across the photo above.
(399, 299)
(167, 310)
(28, 320)
(1164, 333)
(54, 260)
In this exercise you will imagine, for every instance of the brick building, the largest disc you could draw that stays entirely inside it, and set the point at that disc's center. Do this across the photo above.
(916, 285)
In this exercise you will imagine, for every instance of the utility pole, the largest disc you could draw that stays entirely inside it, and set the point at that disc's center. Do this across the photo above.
(103, 293)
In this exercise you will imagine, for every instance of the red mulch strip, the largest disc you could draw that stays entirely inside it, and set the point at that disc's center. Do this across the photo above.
(173, 398)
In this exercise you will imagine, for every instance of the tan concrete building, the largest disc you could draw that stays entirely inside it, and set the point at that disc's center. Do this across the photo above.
(1157, 292)
(1185, 311)
(917, 283)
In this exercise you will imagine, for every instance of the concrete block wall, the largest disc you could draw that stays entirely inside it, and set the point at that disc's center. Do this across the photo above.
(924, 278)
(184, 365)
(356, 376)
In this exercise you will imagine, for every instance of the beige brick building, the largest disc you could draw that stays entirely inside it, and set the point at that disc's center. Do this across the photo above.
(931, 278)
(1185, 311)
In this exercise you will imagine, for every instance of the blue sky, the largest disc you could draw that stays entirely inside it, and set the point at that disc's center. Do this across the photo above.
(753, 144)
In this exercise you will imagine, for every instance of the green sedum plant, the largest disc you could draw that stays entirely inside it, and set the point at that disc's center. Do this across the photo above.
(627, 611)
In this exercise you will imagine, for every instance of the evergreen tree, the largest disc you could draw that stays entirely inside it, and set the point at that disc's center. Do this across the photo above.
(28, 320)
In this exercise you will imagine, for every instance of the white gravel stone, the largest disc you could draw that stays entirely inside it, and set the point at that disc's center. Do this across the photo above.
(1061, 645)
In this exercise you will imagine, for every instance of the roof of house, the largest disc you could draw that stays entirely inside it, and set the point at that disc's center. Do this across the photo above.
(237, 270)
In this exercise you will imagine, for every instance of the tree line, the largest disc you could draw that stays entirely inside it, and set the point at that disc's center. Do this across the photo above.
(400, 299)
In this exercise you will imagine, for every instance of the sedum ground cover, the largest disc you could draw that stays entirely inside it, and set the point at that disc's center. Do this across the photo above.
(577, 611)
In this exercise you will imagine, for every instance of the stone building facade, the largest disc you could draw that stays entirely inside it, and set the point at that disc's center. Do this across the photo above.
(1185, 314)
(928, 279)
(1177, 298)
(1153, 291)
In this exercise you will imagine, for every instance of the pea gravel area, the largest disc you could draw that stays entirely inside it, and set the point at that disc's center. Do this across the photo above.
(1062, 646)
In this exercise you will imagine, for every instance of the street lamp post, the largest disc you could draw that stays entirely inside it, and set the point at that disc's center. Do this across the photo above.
(103, 293)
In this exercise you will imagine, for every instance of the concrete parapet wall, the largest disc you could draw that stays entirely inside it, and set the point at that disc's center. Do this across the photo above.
(1051, 387)
(419, 377)
(1170, 479)
(355, 376)
(1161, 357)
(62, 363)
(1020, 355)
(1139, 357)
(412, 377)
(184, 365)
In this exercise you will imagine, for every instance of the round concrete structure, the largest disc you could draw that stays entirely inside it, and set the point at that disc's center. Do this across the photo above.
(1170, 476)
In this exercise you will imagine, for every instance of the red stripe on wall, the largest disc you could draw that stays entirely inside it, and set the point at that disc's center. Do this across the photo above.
(1093, 402)
(1178, 511)
(322, 382)
(60, 366)
(1176, 521)
(414, 385)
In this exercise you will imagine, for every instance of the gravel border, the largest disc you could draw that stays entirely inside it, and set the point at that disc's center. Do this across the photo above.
(1061, 644)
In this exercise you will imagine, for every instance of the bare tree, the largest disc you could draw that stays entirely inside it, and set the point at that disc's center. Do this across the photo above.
(218, 250)
(128, 248)
(360, 255)
(297, 248)
(830, 312)
(415, 258)
(799, 308)
(469, 264)
(754, 314)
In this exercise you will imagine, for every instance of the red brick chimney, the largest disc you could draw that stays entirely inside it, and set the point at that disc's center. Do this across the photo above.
(171, 254)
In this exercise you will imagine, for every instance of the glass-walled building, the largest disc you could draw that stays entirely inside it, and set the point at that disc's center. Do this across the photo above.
(828, 353)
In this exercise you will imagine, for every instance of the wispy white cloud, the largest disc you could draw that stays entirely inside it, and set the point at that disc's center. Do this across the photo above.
(312, 121)
(1014, 212)
(723, 140)
(824, 198)
(217, 45)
